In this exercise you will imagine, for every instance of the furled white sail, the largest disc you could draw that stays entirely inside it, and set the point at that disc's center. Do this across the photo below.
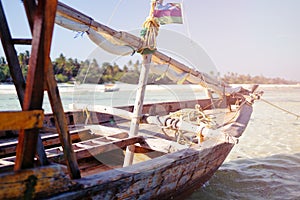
(95, 36)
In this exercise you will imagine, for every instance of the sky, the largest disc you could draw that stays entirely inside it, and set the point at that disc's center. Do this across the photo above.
(256, 37)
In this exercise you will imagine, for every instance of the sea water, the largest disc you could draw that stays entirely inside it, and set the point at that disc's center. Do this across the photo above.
(265, 164)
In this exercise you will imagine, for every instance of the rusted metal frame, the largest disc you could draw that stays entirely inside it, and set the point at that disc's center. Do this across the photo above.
(57, 107)
(34, 92)
(11, 56)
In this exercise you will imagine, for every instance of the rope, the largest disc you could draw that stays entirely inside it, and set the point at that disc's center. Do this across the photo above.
(233, 117)
(86, 111)
(114, 11)
(163, 74)
(149, 32)
(282, 109)
(194, 116)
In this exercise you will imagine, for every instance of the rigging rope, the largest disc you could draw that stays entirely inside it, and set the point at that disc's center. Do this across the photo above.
(114, 11)
(282, 109)
(149, 32)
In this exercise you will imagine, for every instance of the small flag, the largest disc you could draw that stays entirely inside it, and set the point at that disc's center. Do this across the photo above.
(168, 14)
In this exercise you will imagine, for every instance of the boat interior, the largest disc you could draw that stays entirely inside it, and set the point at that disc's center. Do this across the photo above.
(100, 140)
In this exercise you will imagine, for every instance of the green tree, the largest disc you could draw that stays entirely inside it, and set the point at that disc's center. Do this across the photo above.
(60, 78)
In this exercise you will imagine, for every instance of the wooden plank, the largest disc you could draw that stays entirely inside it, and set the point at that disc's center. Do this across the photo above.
(35, 183)
(14, 66)
(61, 124)
(21, 41)
(21, 120)
(56, 105)
(104, 109)
(38, 65)
(11, 56)
(89, 151)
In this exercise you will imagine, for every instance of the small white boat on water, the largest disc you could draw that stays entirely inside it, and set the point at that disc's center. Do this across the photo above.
(111, 87)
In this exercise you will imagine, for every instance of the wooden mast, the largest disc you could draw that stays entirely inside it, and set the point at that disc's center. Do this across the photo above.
(138, 107)
(139, 100)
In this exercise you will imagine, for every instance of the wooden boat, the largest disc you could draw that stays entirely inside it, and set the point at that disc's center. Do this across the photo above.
(91, 152)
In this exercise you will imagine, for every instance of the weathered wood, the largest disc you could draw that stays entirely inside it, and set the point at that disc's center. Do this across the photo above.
(33, 183)
(84, 149)
(38, 67)
(21, 120)
(14, 67)
(56, 104)
(165, 177)
(138, 107)
(103, 109)
(92, 148)
(61, 125)
(21, 41)
(11, 56)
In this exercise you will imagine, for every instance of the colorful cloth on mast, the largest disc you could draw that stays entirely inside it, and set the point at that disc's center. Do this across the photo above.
(169, 13)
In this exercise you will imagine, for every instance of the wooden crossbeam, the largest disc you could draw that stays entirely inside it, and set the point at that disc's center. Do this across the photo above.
(43, 24)
(21, 41)
(11, 56)
(55, 101)
(84, 150)
(21, 120)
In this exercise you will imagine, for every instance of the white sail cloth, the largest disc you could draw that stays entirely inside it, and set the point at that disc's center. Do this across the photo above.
(180, 76)
(95, 36)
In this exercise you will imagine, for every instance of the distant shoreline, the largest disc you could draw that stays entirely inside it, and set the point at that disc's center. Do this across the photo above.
(63, 87)
(267, 85)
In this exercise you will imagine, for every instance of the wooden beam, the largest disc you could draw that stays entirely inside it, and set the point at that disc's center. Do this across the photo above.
(138, 107)
(15, 70)
(84, 150)
(97, 149)
(38, 66)
(56, 105)
(21, 41)
(21, 120)
(62, 125)
(11, 56)
(35, 183)
(9, 148)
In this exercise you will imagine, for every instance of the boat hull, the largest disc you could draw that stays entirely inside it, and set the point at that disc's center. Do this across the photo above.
(164, 177)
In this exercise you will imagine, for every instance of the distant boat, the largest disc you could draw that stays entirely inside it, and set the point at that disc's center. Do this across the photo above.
(111, 88)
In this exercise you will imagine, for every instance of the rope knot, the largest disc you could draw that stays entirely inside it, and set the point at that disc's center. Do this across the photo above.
(149, 32)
